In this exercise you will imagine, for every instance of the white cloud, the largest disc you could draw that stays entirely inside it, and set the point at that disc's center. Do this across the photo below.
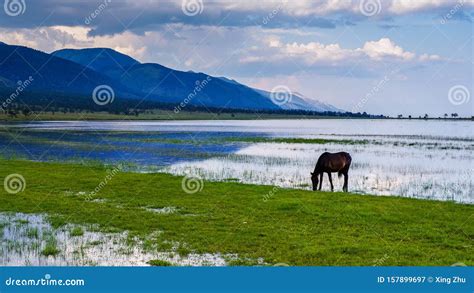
(318, 52)
(177, 46)
(273, 41)
(408, 6)
(49, 39)
(377, 50)
(327, 7)
(426, 57)
(314, 53)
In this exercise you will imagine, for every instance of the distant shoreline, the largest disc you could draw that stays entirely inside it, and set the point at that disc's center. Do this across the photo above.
(164, 115)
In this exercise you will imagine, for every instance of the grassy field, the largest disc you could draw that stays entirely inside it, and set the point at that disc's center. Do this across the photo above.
(293, 227)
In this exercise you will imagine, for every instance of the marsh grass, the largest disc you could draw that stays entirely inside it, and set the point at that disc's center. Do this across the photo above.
(77, 231)
(60, 246)
(376, 170)
(51, 247)
(159, 263)
(294, 140)
(32, 233)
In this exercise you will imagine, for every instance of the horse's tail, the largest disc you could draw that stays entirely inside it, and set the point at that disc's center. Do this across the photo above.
(339, 173)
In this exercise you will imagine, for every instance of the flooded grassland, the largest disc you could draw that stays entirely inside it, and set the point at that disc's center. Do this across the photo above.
(252, 204)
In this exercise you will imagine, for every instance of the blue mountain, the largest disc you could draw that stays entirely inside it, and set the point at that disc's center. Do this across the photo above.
(167, 85)
(72, 75)
(50, 73)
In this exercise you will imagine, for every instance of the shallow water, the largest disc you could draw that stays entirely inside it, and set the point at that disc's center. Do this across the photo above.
(295, 127)
(25, 236)
(422, 159)
(380, 170)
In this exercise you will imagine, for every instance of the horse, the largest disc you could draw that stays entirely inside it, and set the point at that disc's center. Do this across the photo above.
(329, 163)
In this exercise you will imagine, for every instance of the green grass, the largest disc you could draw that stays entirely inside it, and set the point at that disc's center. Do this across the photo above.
(253, 140)
(77, 231)
(159, 263)
(295, 140)
(22, 222)
(51, 248)
(294, 227)
(32, 233)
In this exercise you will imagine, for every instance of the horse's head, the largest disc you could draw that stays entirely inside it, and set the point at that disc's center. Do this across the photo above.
(314, 178)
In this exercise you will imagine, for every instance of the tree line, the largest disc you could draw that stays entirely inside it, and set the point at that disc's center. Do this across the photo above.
(30, 103)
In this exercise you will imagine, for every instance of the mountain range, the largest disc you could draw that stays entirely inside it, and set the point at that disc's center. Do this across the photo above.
(69, 77)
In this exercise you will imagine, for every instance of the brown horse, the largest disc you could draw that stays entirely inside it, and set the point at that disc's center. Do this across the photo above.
(329, 163)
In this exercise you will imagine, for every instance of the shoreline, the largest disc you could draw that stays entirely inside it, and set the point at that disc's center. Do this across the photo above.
(207, 116)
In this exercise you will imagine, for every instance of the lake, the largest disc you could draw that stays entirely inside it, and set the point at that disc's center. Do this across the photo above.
(429, 159)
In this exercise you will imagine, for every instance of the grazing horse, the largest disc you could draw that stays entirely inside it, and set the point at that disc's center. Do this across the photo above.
(329, 163)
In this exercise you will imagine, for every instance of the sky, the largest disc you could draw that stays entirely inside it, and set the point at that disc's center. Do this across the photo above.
(382, 57)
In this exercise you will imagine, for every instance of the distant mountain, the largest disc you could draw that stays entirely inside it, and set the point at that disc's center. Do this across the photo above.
(164, 84)
(98, 59)
(50, 73)
(297, 101)
(70, 76)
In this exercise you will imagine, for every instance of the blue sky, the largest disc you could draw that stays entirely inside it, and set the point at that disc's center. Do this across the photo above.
(390, 57)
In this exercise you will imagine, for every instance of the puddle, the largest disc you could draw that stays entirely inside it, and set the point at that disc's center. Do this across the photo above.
(163, 211)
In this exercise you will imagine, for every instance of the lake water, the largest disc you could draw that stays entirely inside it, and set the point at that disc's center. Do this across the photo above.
(410, 158)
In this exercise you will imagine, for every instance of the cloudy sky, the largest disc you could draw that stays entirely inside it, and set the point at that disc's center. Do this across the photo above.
(390, 57)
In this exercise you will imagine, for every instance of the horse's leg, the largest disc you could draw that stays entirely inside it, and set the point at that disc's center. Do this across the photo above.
(346, 182)
(330, 181)
(321, 180)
